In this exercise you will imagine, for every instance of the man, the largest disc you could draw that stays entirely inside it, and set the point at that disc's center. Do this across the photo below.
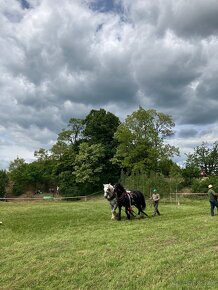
(212, 199)
(155, 199)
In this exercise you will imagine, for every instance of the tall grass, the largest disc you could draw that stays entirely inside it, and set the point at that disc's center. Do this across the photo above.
(75, 245)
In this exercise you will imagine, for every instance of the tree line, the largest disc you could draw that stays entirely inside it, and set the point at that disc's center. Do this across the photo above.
(100, 149)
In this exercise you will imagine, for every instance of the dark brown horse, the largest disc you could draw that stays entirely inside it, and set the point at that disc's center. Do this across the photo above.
(127, 199)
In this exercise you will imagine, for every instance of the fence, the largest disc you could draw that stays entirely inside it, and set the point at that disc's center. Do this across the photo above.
(177, 197)
(51, 198)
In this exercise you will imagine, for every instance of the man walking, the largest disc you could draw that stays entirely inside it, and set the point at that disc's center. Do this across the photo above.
(212, 199)
(155, 199)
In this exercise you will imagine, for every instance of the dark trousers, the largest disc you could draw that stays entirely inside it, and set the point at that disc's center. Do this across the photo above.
(213, 203)
(156, 211)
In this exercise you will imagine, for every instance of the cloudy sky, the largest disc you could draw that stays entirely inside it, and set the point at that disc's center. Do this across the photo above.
(61, 58)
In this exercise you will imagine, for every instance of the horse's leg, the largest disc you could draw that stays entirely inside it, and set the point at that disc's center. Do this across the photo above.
(144, 213)
(119, 213)
(140, 211)
(113, 210)
(139, 208)
(132, 212)
(127, 212)
(113, 216)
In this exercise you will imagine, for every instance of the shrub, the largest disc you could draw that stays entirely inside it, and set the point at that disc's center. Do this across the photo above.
(201, 184)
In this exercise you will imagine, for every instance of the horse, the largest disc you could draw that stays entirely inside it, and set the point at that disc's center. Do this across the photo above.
(111, 197)
(129, 198)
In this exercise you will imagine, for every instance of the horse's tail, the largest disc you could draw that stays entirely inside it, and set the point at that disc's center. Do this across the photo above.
(139, 199)
(142, 198)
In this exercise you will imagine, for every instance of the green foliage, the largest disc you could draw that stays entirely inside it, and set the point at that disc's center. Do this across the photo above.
(201, 184)
(41, 154)
(18, 176)
(189, 173)
(88, 163)
(86, 154)
(141, 141)
(73, 133)
(67, 184)
(205, 158)
(3, 182)
(35, 175)
(100, 127)
(40, 174)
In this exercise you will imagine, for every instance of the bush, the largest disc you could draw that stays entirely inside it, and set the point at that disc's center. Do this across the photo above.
(201, 184)
(3, 183)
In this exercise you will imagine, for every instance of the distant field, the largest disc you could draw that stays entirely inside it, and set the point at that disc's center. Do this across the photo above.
(75, 245)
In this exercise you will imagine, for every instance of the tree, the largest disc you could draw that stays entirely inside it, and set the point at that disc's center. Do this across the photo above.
(88, 165)
(41, 154)
(17, 174)
(73, 133)
(169, 168)
(141, 140)
(100, 127)
(65, 150)
(3, 182)
(205, 158)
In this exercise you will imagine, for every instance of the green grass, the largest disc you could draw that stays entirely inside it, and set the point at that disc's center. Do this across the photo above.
(75, 245)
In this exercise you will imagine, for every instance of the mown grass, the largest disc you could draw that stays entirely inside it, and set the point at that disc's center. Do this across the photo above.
(75, 245)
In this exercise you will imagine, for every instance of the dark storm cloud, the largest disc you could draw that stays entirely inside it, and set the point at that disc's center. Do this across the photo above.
(187, 133)
(61, 61)
(24, 4)
(196, 18)
(188, 19)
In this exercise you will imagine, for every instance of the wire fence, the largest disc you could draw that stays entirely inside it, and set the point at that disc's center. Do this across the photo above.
(173, 197)
(52, 198)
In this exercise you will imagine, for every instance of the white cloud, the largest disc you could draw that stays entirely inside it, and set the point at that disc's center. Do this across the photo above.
(61, 61)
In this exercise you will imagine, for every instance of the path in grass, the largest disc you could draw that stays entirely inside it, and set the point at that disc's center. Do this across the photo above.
(75, 245)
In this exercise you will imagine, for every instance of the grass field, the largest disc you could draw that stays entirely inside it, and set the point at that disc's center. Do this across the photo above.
(75, 245)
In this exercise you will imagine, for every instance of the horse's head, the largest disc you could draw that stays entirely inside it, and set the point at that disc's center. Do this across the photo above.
(119, 189)
(108, 191)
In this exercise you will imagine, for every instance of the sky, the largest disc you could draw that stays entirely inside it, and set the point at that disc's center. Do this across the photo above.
(61, 59)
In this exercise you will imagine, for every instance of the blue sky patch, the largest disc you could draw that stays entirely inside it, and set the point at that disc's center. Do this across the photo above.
(106, 6)
(25, 4)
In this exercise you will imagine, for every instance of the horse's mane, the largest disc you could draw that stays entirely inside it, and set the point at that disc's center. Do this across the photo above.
(119, 188)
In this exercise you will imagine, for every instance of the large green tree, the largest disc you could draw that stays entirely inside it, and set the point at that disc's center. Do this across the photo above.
(141, 139)
(18, 175)
(205, 158)
(100, 127)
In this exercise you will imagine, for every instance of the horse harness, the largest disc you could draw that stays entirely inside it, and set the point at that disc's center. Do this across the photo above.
(122, 198)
